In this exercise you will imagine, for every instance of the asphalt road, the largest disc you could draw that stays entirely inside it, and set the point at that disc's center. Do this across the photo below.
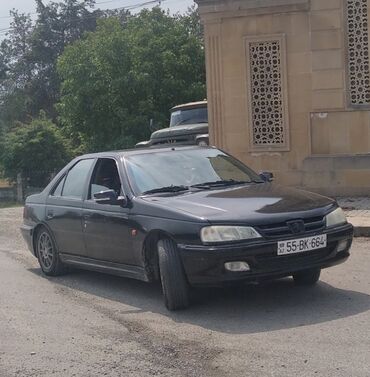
(89, 324)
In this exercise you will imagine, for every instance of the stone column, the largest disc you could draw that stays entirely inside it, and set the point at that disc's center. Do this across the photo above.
(214, 81)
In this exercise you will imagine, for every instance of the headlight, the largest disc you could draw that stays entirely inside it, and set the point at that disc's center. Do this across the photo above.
(214, 234)
(337, 217)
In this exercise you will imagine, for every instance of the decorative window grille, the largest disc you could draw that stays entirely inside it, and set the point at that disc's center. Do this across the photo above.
(358, 52)
(267, 93)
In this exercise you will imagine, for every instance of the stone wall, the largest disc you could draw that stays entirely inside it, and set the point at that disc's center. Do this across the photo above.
(324, 98)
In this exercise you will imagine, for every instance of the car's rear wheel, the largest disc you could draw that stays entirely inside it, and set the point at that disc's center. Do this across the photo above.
(174, 283)
(47, 254)
(307, 277)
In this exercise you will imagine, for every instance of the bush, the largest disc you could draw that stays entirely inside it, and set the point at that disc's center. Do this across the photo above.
(36, 150)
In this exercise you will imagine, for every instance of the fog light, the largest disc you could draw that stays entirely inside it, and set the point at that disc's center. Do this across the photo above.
(342, 245)
(237, 266)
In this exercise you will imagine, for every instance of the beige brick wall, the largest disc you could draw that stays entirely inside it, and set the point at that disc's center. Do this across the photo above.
(328, 56)
(346, 132)
(320, 121)
(295, 27)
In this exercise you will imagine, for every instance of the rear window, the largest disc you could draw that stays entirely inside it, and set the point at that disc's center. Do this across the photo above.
(58, 189)
(76, 181)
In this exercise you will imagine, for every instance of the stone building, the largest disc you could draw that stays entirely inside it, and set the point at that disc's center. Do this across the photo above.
(289, 88)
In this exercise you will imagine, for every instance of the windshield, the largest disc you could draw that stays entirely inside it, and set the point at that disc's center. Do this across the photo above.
(152, 171)
(189, 116)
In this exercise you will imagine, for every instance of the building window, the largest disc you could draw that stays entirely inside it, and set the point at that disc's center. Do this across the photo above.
(358, 52)
(267, 93)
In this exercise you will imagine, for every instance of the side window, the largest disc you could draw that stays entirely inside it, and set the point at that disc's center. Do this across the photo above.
(58, 189)
(105, 177)
(76, 180)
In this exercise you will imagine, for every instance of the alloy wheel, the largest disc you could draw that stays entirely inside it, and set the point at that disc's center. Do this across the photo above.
(46, 250)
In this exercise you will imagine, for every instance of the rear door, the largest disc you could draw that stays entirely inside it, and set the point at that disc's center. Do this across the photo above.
(106, 226)
(64, 208)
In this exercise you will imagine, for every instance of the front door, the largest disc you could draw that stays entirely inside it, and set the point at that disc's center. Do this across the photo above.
(105, 226)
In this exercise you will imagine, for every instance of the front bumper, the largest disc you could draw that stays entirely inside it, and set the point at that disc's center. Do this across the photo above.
(204, 265)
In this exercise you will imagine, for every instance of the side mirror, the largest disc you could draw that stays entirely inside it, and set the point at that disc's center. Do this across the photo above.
(267, 176)
(109, 197)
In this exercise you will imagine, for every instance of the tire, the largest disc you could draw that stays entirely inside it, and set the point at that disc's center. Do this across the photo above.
(47, 254)
(174, 284)
(307, 277)
(202, 143)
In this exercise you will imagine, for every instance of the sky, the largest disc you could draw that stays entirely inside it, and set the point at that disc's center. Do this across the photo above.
(28, 6)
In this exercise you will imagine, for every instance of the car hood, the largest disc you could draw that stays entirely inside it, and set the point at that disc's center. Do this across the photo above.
(256, 203)
(180, 130)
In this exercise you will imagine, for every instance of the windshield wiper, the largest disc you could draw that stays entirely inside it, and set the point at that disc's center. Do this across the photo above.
(166, 189)
(226, 182)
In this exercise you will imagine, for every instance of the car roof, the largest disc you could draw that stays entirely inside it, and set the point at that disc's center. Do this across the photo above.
(190, 105)
(139, 151)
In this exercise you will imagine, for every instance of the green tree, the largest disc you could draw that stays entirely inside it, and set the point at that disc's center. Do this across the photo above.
(15, 70)
(116, 79)
(28, 55)
(35, 150)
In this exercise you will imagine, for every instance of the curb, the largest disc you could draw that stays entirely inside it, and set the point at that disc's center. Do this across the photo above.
(361, 226)
(362, 231)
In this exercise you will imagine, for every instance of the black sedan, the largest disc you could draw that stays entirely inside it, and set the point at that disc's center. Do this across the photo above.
(186, 216)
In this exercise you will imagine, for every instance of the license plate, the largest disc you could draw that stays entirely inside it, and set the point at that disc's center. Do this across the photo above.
(302, 245)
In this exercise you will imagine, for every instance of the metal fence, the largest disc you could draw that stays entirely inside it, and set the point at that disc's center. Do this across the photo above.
(25, 185)
(8, 194)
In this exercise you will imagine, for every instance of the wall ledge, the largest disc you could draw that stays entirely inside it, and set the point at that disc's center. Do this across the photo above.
(228, 8)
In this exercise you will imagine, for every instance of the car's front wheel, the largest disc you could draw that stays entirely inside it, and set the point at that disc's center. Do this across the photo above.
(307, 277)
(47, 254)
(174, 283)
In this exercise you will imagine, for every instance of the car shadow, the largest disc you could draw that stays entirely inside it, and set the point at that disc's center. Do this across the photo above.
(245, 309)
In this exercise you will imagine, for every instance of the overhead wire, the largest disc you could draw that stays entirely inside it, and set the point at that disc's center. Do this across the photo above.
(97, 3)
(4, 31)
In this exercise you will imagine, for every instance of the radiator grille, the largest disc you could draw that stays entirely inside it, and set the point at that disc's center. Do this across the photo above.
(278, 230)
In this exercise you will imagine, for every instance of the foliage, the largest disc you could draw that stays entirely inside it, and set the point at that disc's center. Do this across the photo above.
(97, 77)
(28, 55)
(15, 70)
(118, 78)
(35, 150)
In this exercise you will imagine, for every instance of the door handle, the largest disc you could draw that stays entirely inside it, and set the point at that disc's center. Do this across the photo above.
(50, 214)
(87, 217)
